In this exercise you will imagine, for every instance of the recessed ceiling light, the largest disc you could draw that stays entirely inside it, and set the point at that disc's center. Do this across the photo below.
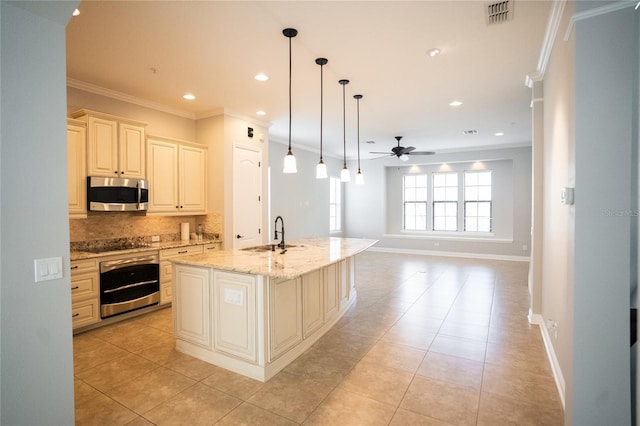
(499, 133)
(433, 52)
(455, 103)
(261, 112)
(189, 96)
(261, 77)
(76, 12)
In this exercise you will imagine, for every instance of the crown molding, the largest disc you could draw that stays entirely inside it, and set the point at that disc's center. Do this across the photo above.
(98, 90)
(231, 113)
(598, 11)
(555, 18)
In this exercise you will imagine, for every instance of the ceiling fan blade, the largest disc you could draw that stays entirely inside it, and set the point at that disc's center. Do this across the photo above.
(408, 149)
(379, 152)
(421, 153)
(383, 156)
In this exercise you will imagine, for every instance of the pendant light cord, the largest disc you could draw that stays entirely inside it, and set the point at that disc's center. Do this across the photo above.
(321, 103)
(289, 95)
(358, 106)
(344, 129)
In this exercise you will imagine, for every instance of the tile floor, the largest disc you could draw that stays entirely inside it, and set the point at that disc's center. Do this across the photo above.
(431, 341)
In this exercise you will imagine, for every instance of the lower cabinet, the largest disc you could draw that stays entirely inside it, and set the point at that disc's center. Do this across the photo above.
(234, 310)
(193, 324)
(166, 269)
(331, 292)
(85, 293)
(312, 298)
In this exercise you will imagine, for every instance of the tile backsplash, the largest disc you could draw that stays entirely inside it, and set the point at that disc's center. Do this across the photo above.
(114, 225)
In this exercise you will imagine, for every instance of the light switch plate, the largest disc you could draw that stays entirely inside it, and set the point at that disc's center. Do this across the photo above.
(566, 196)
(47, 269)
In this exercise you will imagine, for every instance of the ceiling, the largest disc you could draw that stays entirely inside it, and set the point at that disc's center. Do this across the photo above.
(159, 50)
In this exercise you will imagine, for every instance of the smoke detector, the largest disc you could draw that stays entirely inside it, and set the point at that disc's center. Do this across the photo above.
(501, 11)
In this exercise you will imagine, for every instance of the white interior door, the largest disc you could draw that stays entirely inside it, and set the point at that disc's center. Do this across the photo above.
(247, 197)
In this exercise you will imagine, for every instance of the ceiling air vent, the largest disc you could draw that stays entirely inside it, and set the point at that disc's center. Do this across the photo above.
(498, 12)
(470, 132)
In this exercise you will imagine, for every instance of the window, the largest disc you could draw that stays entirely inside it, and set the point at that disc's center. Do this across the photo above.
(415, 202)
(477, 201)
(335, 205)
(445, 201)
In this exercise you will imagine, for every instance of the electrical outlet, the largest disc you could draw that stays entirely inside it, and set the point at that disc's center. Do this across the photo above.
(155, 238)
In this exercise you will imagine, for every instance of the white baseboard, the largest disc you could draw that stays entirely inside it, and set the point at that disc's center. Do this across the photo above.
(551, 354)
(451, 254)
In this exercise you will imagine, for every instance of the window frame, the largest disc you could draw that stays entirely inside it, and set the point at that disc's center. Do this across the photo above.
(478, 201)
(416, 203)
(335, 205)
(445, 202)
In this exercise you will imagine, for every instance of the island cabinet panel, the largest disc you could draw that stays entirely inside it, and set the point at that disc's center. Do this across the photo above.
(285, 315)
(343, 274)
(312, 309)
(234, 307)
(192, 289)
(331, 292)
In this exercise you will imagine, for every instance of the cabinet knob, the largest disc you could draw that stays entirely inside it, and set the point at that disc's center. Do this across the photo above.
(75, 288)
(238, 236)
(115, 171)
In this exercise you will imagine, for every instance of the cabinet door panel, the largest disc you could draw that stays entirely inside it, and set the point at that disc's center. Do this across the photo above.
(77, 170)
(331, 292)
(102, 147)
(312, 312)
(192, 287)
(235, 315)
(163, 176)
(285, 316)
(132, 158)
(192, 170)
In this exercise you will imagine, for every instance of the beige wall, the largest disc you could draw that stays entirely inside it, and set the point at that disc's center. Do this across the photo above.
(558, 219)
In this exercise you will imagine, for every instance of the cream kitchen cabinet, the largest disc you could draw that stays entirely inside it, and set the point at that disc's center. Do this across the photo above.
(85, 292)
(166, 270)
(77, 168)
(312, 301)
(115, 145)
(193, 324)
(177, 176)
(285, 319)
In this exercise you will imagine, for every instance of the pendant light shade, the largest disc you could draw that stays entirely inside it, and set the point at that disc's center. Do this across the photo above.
(289, 159)
(321, 168)
(359, 176)
(345, 176)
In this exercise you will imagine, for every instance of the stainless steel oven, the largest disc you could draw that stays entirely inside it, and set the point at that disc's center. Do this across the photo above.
(128, 283)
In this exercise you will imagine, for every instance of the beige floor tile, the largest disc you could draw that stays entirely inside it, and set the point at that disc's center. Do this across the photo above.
(197, 405)
(460, 316)
(512, 382)
(316, 364)
(346, 408)
(291, 396)
(409, 335)
(117, 372)
(395, 356)
(164, 382)
(372, 328)
(102, 410)
(190, 366)
(250, 415)
(527, 357)
(161, 353)
(417, 320)
(404, 417)
(134, 338)
(465, 331)
(452, 369)
(383, 384)
(91, 352)
(456, 346)
(234, 384)
(83, 392)
(496, 411)
(139, 421)
(457, 405)
(344, 343)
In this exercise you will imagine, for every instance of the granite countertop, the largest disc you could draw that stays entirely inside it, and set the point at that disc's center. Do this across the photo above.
(303, 256)
(79, 255)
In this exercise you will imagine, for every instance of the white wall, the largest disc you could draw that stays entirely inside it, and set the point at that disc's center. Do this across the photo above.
(300, 198)
(370, 213)
(36, 340)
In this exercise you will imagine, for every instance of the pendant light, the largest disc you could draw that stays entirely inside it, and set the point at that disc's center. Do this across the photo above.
(344, 174)
(289, 159)
(359, 176)
(321, 168)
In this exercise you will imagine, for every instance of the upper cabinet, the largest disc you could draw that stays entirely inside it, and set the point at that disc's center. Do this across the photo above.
(115, 145)
(77, 169)
(177, 176)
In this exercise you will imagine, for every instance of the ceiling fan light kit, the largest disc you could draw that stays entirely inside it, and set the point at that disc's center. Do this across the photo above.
(289, 159)
(345, 176)
(321, 168)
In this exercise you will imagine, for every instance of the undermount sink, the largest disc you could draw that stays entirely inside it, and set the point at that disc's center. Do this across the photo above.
(267, 247)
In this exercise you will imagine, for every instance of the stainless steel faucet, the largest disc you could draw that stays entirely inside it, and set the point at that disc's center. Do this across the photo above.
(281, 244)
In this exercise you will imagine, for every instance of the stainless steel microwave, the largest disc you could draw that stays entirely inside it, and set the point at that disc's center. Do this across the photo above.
(107, 194)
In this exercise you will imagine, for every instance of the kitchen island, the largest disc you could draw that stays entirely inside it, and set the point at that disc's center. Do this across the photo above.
(254, 311)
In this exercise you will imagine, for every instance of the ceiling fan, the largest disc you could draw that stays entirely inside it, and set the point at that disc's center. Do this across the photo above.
(401, 152)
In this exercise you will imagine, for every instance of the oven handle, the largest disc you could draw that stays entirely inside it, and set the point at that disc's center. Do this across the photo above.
(124, 287)
(115, 264)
